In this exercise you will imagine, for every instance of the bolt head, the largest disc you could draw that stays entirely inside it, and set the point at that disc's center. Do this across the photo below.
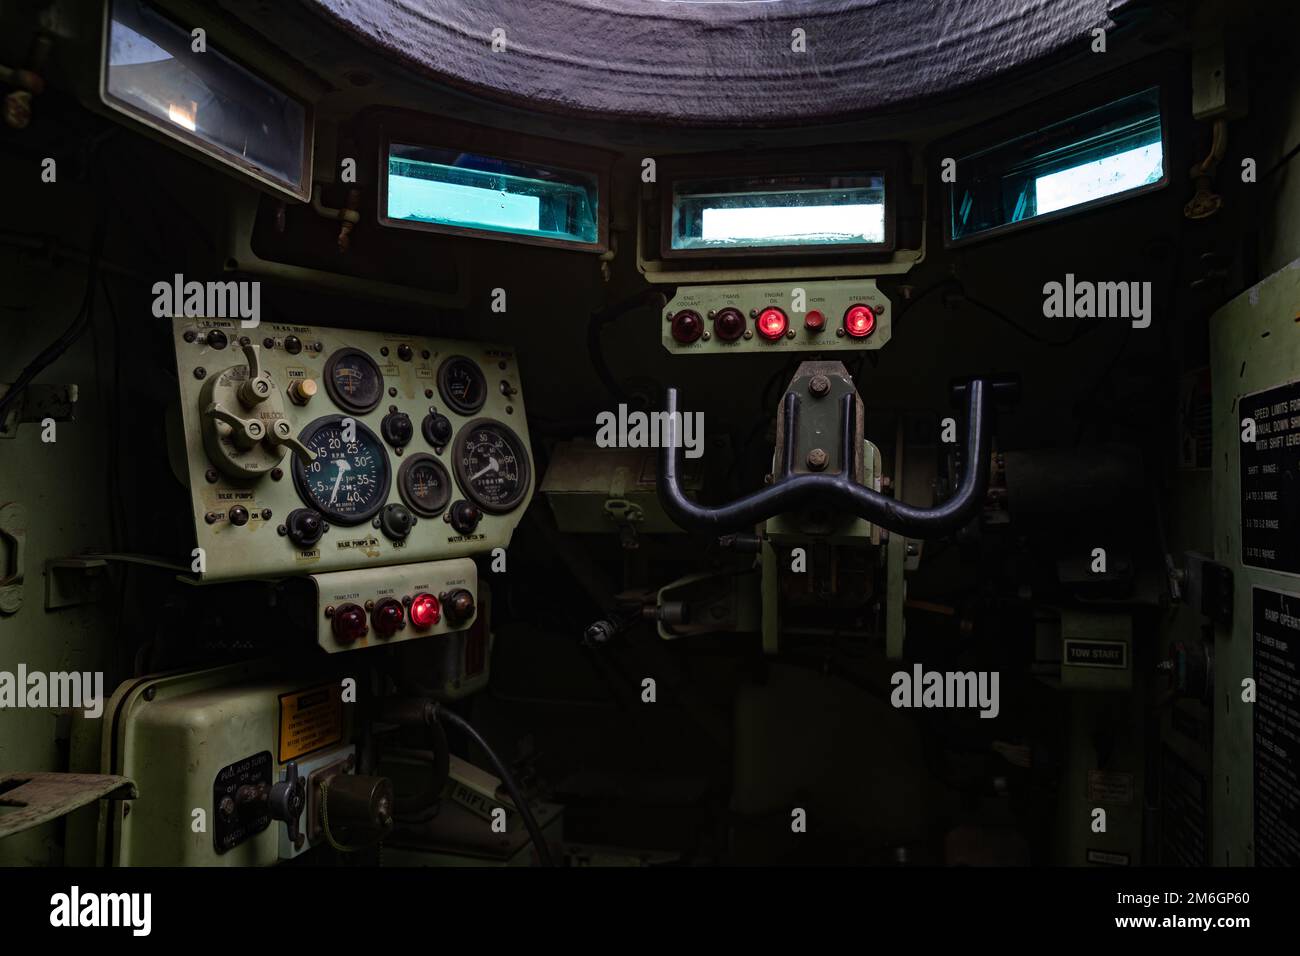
(818, 459)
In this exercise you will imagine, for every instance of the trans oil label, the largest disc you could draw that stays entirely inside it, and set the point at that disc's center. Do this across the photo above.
(1270, 479)
(1276, 710)
(310, 720)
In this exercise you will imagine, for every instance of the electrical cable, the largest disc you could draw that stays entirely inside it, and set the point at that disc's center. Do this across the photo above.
(534, 831)
(70, 335)
(607, 315)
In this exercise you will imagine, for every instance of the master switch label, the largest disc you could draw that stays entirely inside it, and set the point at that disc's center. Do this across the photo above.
(1277, 727)
(1270, 480)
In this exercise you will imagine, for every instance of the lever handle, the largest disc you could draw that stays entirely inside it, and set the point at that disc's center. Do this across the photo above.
(257, 386)
(246, 432)
(282, 434)
(839, 492)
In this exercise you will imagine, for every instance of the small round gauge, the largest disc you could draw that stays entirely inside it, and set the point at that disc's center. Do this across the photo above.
(491, 465)
(424, 484)
(354, 381)
(462, 384)
(348, 482)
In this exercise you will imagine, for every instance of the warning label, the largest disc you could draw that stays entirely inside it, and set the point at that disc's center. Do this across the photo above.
(1270, 479)
(1276, 712)
(310, 720)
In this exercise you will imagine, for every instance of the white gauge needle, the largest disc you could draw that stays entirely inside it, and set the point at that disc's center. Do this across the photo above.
(343, 467)
(492, 465)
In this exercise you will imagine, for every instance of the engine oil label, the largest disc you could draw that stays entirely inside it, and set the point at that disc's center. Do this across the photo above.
(1276, 713)
(1270, 473)
(310, 720)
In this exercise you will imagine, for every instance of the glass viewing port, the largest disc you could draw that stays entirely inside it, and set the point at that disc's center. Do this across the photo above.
(448, 188)
(779, 211)
(202, 99)
(1107, 152)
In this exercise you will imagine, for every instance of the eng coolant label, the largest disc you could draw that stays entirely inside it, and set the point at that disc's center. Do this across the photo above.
(1270, 478)
(310, 720)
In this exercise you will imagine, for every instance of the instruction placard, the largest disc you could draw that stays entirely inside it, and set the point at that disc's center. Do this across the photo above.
(309, 720)
(1276, 711)
(1270, 479)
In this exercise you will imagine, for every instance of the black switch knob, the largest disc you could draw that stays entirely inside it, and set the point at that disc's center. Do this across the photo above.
(395, 521)
(437, 429)
(292, 344)
(239, 516)
(305, 527)
(465, 517)
(458, 606)
(397, 429)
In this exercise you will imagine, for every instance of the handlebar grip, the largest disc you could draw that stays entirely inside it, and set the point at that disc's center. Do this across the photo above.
(839, 492)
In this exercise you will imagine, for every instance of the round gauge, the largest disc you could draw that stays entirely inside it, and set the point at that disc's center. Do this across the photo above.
(462, 384)
(348, 481)
(354, 381)
(491, 465)
(424, 484)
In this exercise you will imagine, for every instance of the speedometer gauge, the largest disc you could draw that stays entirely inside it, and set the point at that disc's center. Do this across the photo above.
(348, 481)
(354, 381)
(491, 465)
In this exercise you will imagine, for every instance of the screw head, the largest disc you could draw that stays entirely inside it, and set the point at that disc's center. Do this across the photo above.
(200, 373)
(211, 475)
(819, 385)
(818, 459)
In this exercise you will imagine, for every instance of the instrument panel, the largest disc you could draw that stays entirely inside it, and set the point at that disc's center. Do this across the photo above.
(778, 316)
(312, 450)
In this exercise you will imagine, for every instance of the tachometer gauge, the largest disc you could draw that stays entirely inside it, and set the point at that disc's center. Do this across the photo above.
(424, 484)
(348, 482)
(462, 385)
(491, 465)
(354, 381)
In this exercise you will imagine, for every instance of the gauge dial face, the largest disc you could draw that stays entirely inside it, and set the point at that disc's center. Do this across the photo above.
(348, 482)
(354, 381)
(424, 485)
(491, 465)
(462, 385)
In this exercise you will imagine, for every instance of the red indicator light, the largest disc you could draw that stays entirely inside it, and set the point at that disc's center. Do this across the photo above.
(771, 323)
(859, 321)
(814, 321)
(687, 326)
(388, 617)
(425, 611)
(350, 623)
(729, 324)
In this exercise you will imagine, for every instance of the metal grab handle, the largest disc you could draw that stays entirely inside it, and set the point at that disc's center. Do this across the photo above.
(839, 492)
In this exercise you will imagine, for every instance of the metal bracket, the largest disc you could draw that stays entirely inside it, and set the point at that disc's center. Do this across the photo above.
(13, 545)
(72, 581)
(36, 798)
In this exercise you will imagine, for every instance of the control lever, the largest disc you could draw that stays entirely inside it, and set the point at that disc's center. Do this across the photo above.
(791, 491)
(287, 800)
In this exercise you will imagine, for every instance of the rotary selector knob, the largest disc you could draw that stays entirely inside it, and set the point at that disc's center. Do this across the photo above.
(397, 429)
(437, 429)
(305, 527)
(245, 431)
(396, 521)
(465, 517)
(458, 606)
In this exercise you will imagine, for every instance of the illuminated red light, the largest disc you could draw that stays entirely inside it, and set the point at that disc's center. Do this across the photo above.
(771, 323)
(859, 321)
(425, 610)
(814, 321)
(350, 623)
(388, 617)
(687, 326)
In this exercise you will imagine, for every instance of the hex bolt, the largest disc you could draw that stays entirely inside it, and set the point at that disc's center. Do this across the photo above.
(819, 386)
(818, 459)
